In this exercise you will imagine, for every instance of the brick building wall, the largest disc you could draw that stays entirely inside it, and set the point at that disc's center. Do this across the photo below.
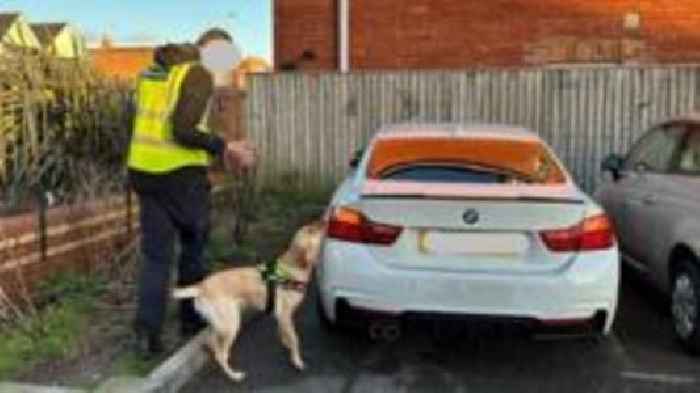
(422, 34)
(305, 25)
(123, 63)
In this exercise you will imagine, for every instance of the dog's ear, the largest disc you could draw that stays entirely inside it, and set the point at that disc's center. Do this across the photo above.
(315, 226)
(306, 244)
(313, 241)
(300, 256)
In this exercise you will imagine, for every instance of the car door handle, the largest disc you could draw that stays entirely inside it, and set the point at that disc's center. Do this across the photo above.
(650, 199)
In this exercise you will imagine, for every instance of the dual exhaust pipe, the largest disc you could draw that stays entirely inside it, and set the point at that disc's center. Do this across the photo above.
(387, 330)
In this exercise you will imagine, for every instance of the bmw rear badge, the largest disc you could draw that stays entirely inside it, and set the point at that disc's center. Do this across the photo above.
(470, 217)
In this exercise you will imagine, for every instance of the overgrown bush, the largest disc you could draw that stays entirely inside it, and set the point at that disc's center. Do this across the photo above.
(64, 130)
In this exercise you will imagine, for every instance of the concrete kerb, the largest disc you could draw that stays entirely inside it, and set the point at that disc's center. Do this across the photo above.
(176, 371)
(11, 387)
(169, 377)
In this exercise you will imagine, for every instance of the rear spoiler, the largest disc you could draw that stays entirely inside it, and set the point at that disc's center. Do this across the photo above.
(559, 193)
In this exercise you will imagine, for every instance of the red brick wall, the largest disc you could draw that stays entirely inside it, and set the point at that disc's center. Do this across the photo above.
(421, 34)
(302, 25)
(124, 63)
(78, 237)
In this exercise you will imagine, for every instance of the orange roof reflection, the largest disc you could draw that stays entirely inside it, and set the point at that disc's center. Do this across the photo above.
(528, 158)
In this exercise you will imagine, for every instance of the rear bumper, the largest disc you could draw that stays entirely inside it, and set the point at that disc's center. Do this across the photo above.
(363, 318)
(579, 292)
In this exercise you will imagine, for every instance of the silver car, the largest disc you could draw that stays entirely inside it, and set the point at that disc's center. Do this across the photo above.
(654, 202)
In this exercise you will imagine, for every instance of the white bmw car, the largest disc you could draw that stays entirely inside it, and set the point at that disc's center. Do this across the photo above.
(466, 221)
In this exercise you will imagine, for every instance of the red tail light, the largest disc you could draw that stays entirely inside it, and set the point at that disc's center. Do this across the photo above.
(593, 233)
(352, 226)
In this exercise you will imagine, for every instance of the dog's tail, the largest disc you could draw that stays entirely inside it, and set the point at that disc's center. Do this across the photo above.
(186, 293)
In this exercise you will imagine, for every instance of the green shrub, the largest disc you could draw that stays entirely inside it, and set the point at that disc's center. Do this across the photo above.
(57, 328)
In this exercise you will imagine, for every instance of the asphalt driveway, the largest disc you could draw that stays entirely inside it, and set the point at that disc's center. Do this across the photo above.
(640, 357)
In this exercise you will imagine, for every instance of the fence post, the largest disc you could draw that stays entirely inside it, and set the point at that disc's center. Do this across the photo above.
(129, 223)
(43, 235)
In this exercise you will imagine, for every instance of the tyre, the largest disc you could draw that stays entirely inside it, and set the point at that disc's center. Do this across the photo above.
(685, 305)
(326, 323)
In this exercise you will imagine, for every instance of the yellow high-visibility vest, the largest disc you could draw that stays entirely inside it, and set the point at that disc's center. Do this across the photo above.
(153, 148)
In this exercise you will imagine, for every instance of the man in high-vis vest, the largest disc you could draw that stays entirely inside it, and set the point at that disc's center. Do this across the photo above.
(171, 149)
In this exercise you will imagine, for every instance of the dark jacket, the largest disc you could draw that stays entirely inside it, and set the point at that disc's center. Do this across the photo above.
(196, 90)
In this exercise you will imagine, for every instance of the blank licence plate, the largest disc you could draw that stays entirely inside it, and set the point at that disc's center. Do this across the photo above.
(484, 244)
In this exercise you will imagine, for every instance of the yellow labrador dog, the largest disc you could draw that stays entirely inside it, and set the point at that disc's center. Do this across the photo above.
(222, 297)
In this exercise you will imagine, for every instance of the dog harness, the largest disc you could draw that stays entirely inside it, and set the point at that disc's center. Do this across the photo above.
(274, 275)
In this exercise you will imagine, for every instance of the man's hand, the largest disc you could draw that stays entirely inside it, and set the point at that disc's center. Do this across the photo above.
(240, 155)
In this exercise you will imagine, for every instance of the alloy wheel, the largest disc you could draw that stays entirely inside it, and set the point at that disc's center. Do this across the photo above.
(684, 305)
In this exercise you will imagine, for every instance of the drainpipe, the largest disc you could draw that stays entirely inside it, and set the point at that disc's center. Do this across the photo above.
(344, 35)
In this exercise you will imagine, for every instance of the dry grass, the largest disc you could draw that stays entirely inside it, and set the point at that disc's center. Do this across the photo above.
(61, 127)
(17, 306)
(58, 319)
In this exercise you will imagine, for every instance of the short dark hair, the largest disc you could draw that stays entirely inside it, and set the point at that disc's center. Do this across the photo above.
(170, 54)
(214, 34)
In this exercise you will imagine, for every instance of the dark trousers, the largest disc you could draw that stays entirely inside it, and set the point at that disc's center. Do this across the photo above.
(174, 206)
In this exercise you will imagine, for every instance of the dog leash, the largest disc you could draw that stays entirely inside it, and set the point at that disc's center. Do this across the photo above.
(269, 275)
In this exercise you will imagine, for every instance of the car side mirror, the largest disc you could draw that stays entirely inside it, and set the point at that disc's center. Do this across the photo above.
(356, 158)
(613, 164)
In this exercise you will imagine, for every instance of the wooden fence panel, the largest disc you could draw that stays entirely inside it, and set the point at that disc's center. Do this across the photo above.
(307, 125)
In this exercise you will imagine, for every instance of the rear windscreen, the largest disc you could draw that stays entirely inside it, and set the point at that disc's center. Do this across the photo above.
(451, 160)
(445, 174)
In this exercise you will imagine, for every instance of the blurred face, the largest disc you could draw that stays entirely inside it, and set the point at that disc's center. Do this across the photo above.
(219, 55)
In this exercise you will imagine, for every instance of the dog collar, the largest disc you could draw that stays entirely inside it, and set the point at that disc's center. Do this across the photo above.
(274, 271)
(294, 285)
